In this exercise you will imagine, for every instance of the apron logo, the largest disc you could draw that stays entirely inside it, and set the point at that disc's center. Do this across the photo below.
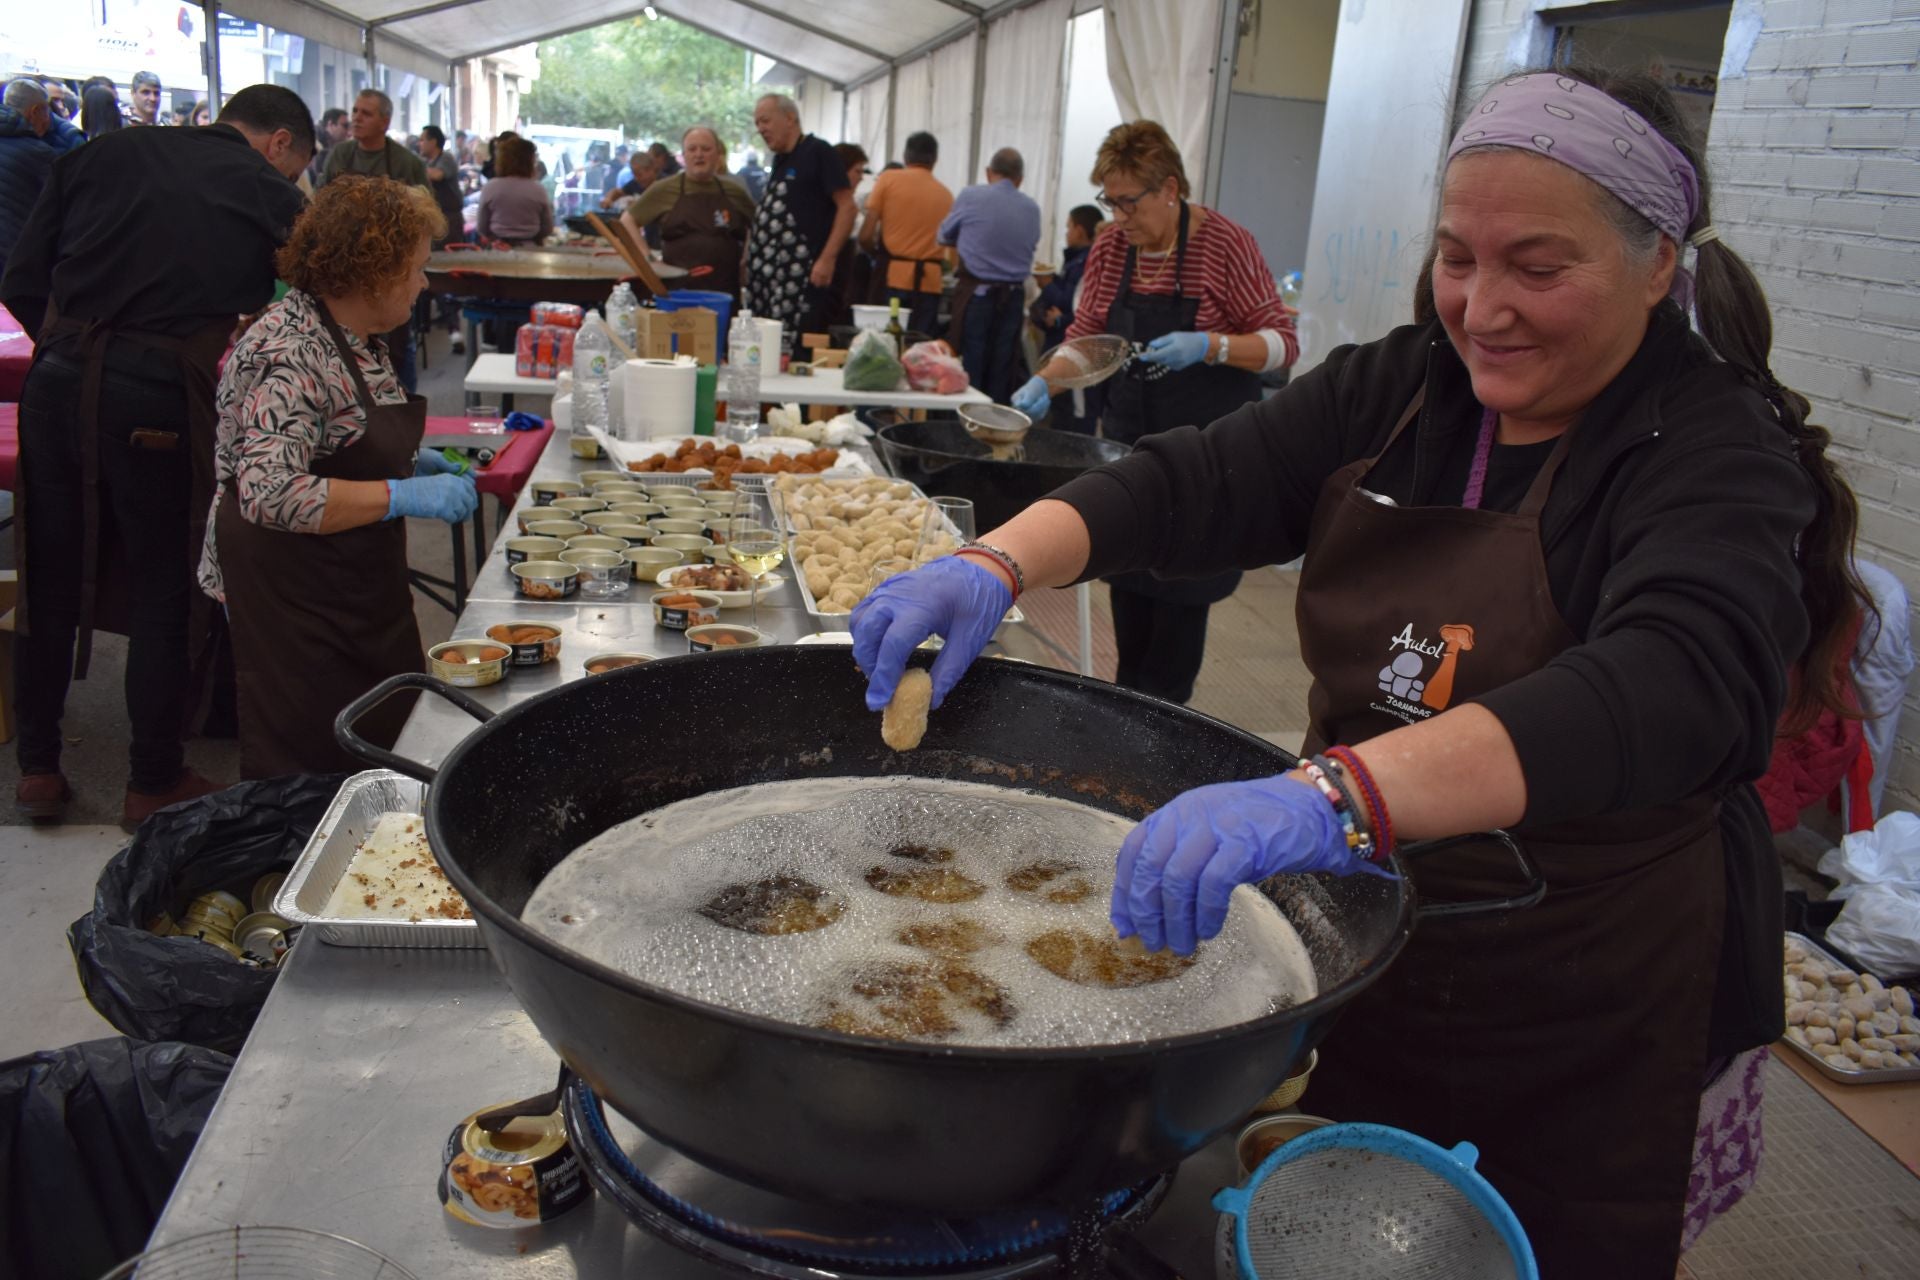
(1413, 693)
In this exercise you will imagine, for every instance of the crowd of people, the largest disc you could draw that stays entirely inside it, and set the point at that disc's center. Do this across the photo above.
(182, 473)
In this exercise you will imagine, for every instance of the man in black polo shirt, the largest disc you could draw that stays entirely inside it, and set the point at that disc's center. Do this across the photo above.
(117, 419)
(800, 226)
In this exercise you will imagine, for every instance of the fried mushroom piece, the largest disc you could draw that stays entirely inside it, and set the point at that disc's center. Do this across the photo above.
(921, 853)
(1039, 877)
(929, 884)
(951, 939)
(917, 1001)
(1090, 960)
(774, 906)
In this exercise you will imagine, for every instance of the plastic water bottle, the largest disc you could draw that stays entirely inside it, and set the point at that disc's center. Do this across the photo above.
(743, 379)
(621, 305)
(592, 364)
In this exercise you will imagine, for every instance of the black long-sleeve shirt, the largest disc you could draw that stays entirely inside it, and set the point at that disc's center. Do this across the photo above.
(162, 230)
(1668, 537)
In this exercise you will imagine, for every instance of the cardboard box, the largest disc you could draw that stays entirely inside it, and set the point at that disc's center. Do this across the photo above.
(661, 335)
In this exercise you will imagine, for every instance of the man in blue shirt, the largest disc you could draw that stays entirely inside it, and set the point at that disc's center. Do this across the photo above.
(996, 230)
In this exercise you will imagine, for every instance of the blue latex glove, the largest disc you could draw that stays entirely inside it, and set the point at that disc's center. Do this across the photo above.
(954, 597)
(449, 498)
(432, 462)
(1032, 398)
(1176, 350)
(1179, 867)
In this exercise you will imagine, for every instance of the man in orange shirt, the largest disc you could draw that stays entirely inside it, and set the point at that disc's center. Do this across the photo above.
(904, 212)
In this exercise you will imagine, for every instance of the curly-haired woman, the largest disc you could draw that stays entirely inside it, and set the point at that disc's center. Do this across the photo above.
(317, 456)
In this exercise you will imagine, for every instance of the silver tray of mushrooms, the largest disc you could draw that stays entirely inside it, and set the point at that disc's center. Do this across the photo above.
(1853, 1028)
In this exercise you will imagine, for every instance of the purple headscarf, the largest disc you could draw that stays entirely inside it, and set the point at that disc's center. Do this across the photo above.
(1595, 135)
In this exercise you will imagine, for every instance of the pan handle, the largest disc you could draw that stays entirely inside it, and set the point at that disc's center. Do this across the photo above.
(354, 744)
(1536, 886)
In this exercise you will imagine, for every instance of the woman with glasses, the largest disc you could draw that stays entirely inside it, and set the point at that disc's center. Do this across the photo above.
(1190, 285)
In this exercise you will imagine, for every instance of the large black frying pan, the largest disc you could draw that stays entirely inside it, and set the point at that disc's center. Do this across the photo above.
(815, 1113)
(941, 457)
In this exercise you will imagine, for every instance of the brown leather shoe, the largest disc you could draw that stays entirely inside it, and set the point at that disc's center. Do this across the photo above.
(42, 796)
(140, 805)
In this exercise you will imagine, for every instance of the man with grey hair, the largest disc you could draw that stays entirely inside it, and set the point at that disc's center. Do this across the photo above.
(802, 223)
(995, 230)
(371, 152)
(26, 157)
(146, 99)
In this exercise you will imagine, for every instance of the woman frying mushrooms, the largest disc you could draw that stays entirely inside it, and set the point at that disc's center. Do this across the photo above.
(1561, 555)
(316, 460)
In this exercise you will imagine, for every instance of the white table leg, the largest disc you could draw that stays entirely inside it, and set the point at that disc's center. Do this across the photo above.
(1083, 603)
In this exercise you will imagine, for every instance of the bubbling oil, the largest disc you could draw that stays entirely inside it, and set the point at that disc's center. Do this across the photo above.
(633, 899)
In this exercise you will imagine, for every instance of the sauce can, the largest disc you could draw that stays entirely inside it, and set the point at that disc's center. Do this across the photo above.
(521, 1176)
(264, 889)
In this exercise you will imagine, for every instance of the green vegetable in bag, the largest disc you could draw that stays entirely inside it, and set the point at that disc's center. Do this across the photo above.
(871, 363)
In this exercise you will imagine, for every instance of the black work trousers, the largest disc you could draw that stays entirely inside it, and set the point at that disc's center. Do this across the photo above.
(144, 500)
(1162, 643)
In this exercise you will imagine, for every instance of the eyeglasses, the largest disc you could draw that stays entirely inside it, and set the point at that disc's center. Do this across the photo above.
(1120, 204)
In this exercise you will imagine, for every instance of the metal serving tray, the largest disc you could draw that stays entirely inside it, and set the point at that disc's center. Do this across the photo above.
(839, 621)
(1887, 1075)
(348, 821)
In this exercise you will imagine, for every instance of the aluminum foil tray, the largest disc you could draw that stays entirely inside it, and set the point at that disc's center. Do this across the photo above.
(1890, 1075)
(348, 821)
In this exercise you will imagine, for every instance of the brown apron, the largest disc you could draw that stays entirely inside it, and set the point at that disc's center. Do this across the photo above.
(103, 571)
(998, 295)
(883, 276)
(1568, 1041)
(703, 230)
(318, 619)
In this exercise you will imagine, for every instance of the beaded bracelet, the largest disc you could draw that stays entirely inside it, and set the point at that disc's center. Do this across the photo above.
(1357, 840)
(1363, 844)
(1001, 558)
(1350, 764)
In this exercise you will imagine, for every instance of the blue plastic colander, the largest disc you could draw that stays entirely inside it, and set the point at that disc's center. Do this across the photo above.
(1364, 1200)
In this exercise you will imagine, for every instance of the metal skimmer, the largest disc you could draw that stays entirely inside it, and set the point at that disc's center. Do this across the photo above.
(1364, 1200)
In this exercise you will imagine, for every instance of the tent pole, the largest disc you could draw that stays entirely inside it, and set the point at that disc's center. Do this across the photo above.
(893, 83)
(979, 94)
(211, 11)
(1222, 89)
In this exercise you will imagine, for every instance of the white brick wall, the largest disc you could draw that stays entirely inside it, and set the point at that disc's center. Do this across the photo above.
(1815, 158)
(1831, 99)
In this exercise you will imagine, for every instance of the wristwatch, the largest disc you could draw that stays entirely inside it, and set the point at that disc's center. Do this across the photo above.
(1223, 352)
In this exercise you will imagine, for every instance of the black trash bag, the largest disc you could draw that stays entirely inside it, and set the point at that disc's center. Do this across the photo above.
(174, 988)
(92, 1139)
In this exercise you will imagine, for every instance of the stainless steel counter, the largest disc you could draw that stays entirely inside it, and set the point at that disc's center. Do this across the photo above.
(362, 1061)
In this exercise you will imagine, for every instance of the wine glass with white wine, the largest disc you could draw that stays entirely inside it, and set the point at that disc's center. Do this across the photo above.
(757, 537)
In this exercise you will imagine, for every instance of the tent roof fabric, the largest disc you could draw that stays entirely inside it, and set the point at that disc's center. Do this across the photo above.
(837, 40)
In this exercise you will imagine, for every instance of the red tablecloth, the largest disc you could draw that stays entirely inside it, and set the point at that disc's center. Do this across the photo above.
(16, 354)
(9, 445)
(507, 474)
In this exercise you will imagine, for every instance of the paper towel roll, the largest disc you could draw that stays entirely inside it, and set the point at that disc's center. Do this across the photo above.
(769, 345)
(657, 398)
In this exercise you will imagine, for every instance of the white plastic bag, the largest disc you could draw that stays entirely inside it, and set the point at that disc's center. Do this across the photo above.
(1880, 927)
(1879, 875)
(1888, 854)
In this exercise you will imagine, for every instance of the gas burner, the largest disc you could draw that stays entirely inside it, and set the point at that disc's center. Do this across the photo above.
(761, 1233)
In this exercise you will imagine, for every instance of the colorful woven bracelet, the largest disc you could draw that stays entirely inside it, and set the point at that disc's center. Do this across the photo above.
(1382, 823)
(1357, 840)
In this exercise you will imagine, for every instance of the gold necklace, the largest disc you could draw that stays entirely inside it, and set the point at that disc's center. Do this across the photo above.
(1165, 260)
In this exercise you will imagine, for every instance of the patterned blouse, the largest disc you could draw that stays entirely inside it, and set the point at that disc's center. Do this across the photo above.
(286, 400)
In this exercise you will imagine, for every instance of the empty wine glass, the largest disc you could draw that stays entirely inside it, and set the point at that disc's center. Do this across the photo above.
(951, 516)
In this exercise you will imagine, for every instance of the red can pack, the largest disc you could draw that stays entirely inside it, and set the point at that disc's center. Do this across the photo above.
(561, 315)
(542, 350)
